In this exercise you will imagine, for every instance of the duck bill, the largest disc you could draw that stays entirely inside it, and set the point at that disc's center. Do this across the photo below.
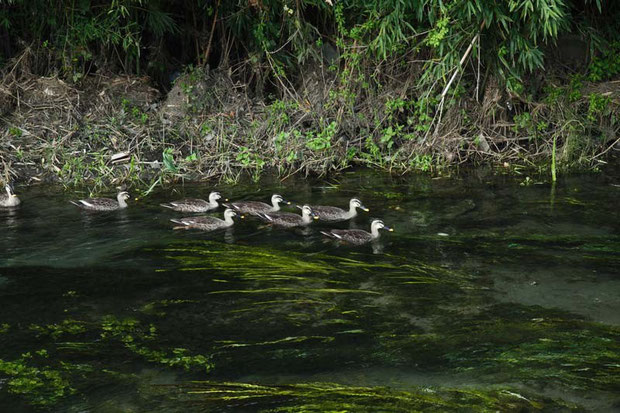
(365, 209)
(389, 229)
(286, 202)
(242, 216)
(315, 216)
(225, 199)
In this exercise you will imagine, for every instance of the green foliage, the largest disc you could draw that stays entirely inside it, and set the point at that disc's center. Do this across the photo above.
(323, 139)
(574, 88)
(607, 65)
(389, 134)
(15, 132)
(523, 122)
(168, 161)
(597, 105)
(422, 162)
(283, 35)
(247, 158)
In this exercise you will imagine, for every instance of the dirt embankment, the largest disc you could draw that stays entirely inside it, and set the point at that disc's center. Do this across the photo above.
(111, 130)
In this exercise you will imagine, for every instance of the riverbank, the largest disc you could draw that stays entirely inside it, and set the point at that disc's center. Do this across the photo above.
(109, 130)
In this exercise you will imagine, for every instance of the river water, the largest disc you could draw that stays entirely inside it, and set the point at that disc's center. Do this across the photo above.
(493, 293)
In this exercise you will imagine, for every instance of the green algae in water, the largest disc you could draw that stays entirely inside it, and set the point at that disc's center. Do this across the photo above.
(134, 337)
(35, 380)
(68, 326)
(332, 397)
(246, 261)
(260, 263)
(530, 345)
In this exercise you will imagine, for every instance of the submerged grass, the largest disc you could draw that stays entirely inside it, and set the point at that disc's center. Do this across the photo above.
(247, 261)
(529, 345)
(332, 397)
(263, 263)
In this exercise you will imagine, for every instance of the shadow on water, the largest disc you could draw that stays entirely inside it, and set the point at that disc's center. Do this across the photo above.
(487, 297)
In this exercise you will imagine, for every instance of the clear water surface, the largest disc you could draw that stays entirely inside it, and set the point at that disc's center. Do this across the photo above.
(489, 295)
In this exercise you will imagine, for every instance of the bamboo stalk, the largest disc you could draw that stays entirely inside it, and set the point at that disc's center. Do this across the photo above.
(208, 51)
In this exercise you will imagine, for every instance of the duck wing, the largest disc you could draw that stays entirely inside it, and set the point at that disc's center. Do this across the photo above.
(97, 204)
(251, 207)
(204, 223)
(283, 219)
(354, 236)
(329, 213)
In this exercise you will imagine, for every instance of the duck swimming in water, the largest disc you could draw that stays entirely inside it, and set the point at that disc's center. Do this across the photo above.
(257, 207)
(206, 223)
(289, 220)
(194, 204)
(358, 236)
(10, 199)
(103, 204)
(333, 214)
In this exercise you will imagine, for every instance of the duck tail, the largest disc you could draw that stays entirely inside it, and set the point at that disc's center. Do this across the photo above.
(263, 216)
(167, 205)
(178, 221)
(328, 234)
(77, 204)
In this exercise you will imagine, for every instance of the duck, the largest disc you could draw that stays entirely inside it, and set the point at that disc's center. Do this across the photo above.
(10, 199)
(207, 223)
(194, 204)
(103, 204)
(333, 214)
(257, 207)
(289, 220)
(358, 236)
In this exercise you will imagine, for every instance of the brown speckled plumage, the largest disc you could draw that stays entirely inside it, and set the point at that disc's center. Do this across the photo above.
(103, 204)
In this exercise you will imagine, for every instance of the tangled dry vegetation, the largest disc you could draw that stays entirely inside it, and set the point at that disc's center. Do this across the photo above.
(111, 130)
